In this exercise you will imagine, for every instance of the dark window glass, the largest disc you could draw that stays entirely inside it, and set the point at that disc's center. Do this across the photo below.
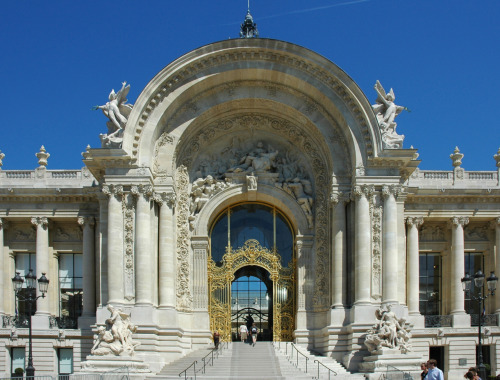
(71, 284)
(284, 239)
(25, 262)
(430, 283)
(474, 261)
(219, 238)
(251, 221)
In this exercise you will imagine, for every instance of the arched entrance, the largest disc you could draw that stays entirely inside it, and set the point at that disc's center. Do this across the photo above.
(250, 279)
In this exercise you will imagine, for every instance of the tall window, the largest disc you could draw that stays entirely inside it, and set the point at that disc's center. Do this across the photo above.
(71, 284)
(25, 262)
(17, 356)
(242, 222)
(474, 261)
(65, 361)
(430, 283)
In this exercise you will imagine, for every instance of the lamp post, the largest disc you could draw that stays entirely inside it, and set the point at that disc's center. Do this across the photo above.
(479, 282)
(43, 284)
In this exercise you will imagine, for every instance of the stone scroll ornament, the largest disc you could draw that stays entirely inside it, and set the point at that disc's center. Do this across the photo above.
(116, 338)
(386, 111)
(117, 110)
(389, 332)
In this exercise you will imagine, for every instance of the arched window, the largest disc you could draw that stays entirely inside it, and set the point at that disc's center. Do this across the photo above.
(242, 222)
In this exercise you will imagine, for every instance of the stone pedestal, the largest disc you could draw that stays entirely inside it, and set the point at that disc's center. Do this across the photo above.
(134, 367)
(390, 360)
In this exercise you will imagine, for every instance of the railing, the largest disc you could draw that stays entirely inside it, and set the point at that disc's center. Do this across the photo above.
(488, 320)
(329, 370)
(298, 352)
(187, 369)
(394, 373)
(63, 322)
(214, 354)
(19, 321)
(437, 321)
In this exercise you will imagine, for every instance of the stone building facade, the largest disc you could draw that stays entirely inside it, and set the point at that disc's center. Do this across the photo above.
(346, 222)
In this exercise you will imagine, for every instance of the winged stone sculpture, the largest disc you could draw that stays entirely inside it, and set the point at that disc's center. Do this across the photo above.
(117, 110)
(386, 111)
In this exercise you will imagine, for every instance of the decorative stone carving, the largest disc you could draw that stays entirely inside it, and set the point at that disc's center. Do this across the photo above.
(67, 234)
(117, 110)
(430, 232)
(301, 190)
(40, 220)
(165, 198)
(183, 291)
(496, 157)
(2, 156)
(456, 157)
(251, 182)
(389, 331)
(113, 191)
(376, 212)
(201, 191)
(476, 233)
(459, 220)
(42, 156)
(116, 338)
(128, 206)
(386, 111)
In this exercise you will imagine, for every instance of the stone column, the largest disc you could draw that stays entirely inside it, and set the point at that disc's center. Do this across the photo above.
(339, 250)
(497, 262)
(3, 226)
(143, 249)
(390, 245)
(167, 259)
(362, 254)
(115, 243)
(457, 264)
(42, 261)
(102, 267)
(88, 270)
(413, 262)
(305, 279)
(200, 280)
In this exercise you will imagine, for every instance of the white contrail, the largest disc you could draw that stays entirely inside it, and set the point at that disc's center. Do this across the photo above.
(315, 8)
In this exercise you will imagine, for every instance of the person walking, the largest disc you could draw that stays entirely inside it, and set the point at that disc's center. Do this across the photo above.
(254, 331)
(243, 332)
(216, 339)
(433, 372)
(423, 367)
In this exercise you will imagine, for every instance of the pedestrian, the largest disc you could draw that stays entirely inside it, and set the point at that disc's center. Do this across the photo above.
(433, 372)
(216, 339)
(423, 367)
(243, 332)
(469, 375)
(475, 372)
(254, 332)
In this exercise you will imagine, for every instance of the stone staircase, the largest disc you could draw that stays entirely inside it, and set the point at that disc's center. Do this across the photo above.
(262, 361)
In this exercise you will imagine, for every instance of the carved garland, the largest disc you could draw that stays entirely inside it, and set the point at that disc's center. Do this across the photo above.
(299, 139)
(128, 206)
(177, 79)
(183, 291)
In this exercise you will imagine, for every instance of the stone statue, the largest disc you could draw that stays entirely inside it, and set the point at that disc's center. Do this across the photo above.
(301, 189)
(117, 339)
(386, 111)
(117, 110)
(389, 332)
(251, 182)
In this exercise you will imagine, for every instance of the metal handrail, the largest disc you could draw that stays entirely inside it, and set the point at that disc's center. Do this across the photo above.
(329, 369)
(298, 352)
(185, 371)
(211, 354)
(406, 375)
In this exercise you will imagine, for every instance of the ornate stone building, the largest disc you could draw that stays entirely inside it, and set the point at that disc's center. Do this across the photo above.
(252, 178)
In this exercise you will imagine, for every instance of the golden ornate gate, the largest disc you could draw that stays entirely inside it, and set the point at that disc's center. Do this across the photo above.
(220, 279)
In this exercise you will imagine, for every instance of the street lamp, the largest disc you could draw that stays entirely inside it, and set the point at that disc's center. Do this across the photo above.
(479, 282)
(43, 285)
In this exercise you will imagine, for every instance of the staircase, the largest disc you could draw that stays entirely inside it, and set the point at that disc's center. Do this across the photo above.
(262, 361)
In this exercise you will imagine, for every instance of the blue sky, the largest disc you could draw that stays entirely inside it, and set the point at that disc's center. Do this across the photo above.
(60, 58)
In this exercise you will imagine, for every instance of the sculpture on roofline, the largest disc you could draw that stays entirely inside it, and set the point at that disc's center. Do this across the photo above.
(116, 339)
(386, 111)
(388, 332)
(117, 110)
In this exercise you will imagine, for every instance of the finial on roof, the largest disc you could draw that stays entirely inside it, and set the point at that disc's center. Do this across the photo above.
(249, 28)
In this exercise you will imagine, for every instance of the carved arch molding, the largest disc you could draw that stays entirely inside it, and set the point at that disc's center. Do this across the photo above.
(309, 143)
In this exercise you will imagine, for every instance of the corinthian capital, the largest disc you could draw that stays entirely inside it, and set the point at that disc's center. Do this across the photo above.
(40, 221)
(3, 224)
(459, 221)
(165, 198)
(86, 220)
(362, 191)
(416, 221)
(112, 190)
(339, 197)
(142, 190)
(393, 190)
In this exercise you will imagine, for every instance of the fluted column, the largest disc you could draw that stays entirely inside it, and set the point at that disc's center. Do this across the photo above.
(362, 255)
(42, 260)
(115, 243)
(497, 262)
(3, 226)
(457, 264)
(166, 251)
(88, 270)
(390, 245)
(103, 250)
(412, 262)
(143, 250)
(339, 250)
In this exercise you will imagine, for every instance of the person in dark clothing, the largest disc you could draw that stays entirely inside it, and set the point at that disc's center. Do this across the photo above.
(216, 339)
